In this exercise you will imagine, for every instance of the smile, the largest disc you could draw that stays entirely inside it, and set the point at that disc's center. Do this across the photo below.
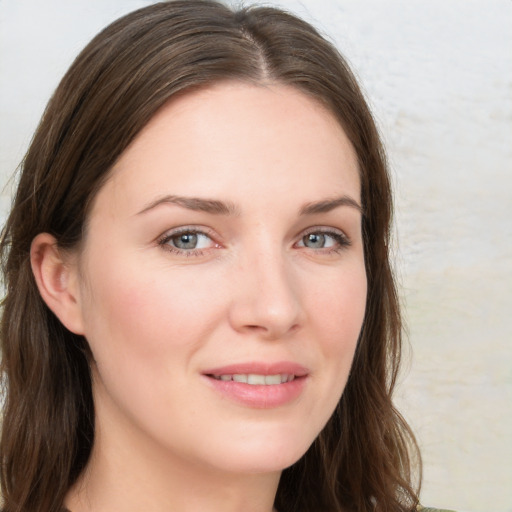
(257, 379)
(259, 385)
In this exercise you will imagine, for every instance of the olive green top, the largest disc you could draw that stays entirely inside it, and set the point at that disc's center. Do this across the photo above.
(428, 509)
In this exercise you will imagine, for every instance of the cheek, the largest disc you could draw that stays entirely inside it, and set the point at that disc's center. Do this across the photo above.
(338, 312)
(143, 333)
(339, 306)
(148, 310)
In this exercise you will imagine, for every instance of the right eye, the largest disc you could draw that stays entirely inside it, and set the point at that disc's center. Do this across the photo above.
(187, 241)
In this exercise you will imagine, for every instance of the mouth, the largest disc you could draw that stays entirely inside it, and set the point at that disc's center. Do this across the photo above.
(260, 386)
(255, 379)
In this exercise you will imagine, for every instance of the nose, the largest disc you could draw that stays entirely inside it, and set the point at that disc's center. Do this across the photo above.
(266, 299)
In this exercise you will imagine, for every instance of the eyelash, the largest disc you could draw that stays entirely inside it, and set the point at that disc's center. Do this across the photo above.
(342, 242)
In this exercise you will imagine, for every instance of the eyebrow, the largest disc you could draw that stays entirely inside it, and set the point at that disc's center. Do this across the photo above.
(329, 205)
(195, 203)
(216, 207)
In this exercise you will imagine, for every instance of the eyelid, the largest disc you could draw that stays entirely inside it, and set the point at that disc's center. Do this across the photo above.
(187, 229)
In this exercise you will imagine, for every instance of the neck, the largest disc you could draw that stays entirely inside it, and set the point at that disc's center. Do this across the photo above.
(99, 490)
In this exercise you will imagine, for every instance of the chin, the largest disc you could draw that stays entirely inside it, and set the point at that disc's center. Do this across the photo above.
(264, 455)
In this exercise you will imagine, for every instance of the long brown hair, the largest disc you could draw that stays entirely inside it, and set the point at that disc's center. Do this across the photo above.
(361, 460)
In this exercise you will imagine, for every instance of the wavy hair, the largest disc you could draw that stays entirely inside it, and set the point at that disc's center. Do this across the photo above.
(361, 461)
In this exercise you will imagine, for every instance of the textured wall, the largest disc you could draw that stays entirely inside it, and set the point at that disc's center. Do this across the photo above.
(439, 76)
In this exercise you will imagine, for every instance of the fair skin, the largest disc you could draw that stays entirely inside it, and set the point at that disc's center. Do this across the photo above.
(261, 273)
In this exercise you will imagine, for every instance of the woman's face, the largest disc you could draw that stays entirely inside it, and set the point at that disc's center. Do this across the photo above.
(222, 284)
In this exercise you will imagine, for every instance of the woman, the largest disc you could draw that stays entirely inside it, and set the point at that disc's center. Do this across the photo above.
(200, 312)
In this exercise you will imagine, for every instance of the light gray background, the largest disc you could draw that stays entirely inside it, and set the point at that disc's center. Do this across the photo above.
(438, 75)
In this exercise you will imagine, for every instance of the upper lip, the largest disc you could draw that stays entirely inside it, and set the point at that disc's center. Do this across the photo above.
(260, 368)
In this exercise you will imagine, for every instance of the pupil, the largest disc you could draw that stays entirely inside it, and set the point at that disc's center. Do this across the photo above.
(315, 240)
(186, 241)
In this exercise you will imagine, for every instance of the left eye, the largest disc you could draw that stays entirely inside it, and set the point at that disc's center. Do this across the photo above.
(189, 240)
(320, 240)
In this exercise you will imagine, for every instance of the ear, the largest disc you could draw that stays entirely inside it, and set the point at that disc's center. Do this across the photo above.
(57, 279)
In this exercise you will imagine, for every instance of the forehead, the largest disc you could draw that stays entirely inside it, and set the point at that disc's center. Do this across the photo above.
(234, 139)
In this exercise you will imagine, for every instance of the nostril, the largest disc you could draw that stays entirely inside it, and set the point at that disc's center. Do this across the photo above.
(270, 332)
(256, 328)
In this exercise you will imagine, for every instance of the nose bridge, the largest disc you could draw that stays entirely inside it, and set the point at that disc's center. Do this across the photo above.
(266, 297)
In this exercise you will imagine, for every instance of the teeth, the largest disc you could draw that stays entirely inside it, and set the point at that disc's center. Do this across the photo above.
(272, 379)
(255, 379)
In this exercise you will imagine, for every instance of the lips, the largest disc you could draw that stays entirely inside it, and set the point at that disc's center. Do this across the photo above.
(259, 385)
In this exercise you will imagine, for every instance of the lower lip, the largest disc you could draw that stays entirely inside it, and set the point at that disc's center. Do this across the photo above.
(259, 396)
